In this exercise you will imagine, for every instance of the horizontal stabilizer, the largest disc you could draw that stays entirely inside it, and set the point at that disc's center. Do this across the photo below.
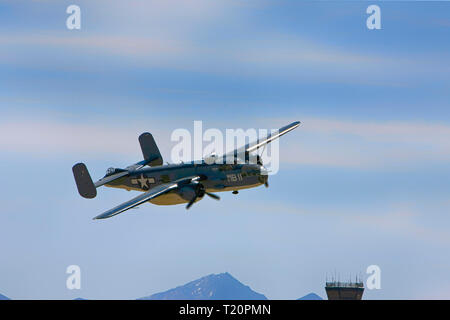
(110, 178)
(150, 150)
(86, 187)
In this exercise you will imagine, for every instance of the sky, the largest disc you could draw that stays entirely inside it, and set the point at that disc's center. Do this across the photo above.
(364, 181)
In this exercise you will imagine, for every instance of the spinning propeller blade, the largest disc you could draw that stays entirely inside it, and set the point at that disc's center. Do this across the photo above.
(200, 192)
(212, 195)
(192, 201)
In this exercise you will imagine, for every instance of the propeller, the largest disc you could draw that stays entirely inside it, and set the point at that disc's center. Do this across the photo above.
(212, 195)
(199, 192)
(192, 201)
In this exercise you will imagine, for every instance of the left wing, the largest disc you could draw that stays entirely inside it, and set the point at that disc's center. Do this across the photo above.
(140, 199)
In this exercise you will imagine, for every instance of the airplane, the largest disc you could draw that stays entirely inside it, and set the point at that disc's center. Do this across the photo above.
(180, 183)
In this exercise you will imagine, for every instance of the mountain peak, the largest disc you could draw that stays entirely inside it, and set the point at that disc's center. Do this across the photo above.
(310, 296)
(222, 286)
(2, 297)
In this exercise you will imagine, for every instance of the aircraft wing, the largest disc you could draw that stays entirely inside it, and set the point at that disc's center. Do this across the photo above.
(255, 145)
(140, 199)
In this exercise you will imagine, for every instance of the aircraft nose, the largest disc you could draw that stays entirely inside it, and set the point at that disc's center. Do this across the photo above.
(264, 175)
(263, 171)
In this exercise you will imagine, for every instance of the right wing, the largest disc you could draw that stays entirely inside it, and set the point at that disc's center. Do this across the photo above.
(270, 137)
(140, 199)
(255, 145)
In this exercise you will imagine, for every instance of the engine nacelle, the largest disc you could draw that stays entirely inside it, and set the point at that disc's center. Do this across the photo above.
(189, 191)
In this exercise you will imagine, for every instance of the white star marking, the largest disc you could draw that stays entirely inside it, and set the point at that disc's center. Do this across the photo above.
(143, 181)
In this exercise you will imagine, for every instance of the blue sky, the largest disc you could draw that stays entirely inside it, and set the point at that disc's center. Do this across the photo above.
(364, 180)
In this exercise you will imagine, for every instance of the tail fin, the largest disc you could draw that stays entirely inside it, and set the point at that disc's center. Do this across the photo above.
(150, 150)
(84, 182)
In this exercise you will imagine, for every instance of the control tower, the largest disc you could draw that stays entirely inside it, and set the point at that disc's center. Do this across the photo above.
(337, 290)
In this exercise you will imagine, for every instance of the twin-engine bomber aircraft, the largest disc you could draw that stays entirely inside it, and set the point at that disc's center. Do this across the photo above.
(180, 183)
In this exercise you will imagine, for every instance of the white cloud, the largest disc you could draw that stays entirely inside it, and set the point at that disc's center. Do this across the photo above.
(171, 34)
(53, 139)
(131, 46)
(369, 144)
(323, 142)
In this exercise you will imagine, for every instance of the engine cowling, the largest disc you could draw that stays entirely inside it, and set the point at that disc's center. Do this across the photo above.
(191, 190)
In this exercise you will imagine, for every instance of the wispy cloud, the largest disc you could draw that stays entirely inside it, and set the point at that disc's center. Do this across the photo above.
(318, 141)
(131, 46)
(370, 144)
(172, 35)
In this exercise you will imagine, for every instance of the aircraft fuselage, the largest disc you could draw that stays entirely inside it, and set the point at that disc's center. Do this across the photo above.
(216, 178)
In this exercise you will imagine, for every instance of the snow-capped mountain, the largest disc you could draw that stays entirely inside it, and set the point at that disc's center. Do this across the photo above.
(221, 286)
